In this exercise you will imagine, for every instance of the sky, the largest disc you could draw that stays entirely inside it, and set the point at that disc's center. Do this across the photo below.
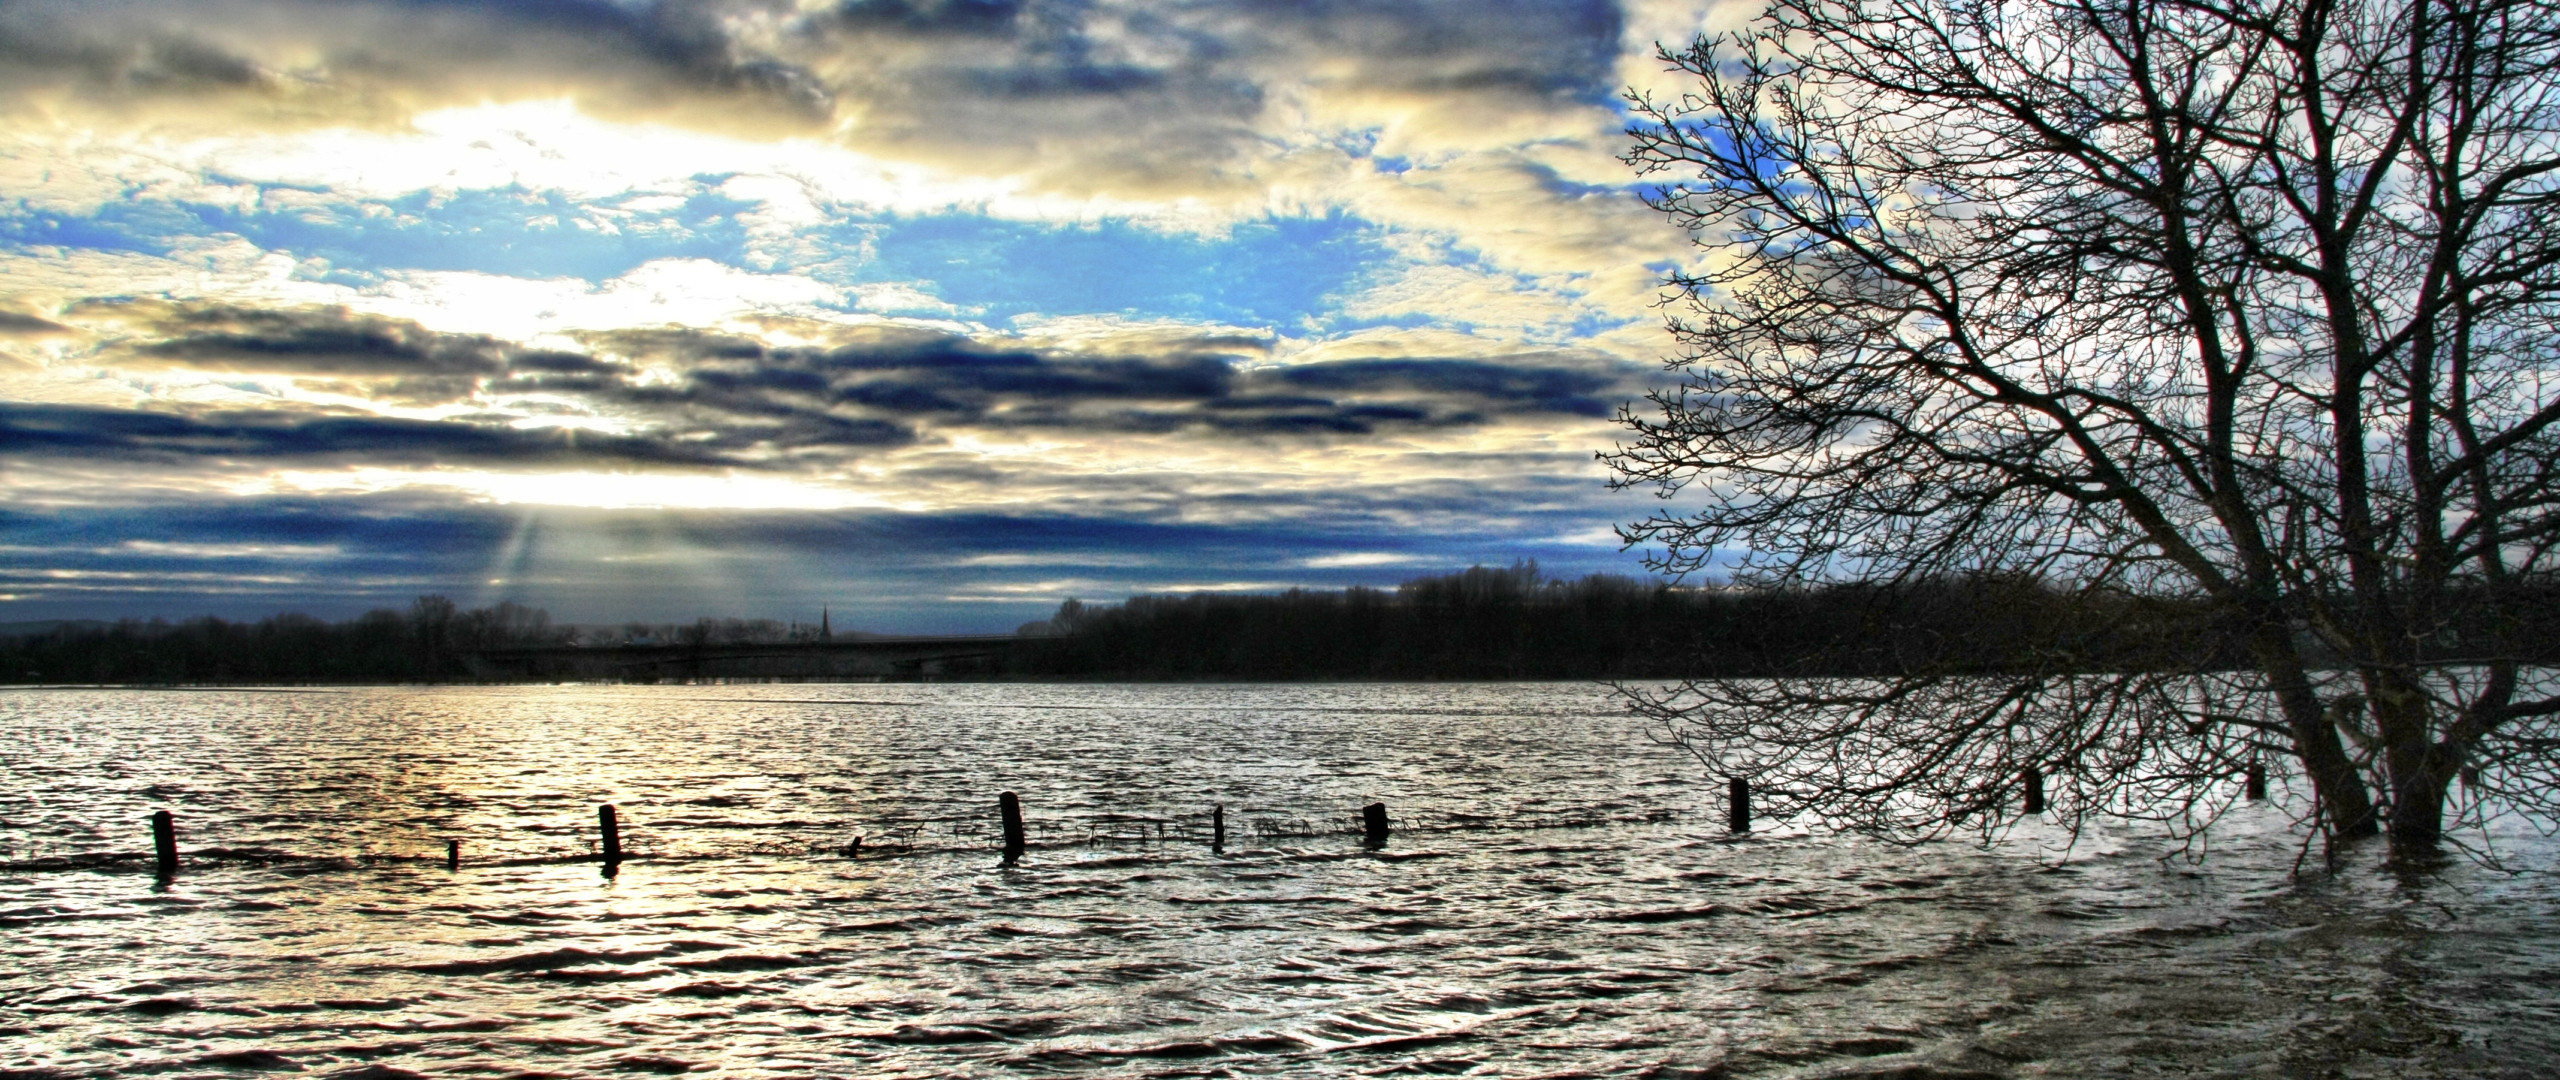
(930, 314)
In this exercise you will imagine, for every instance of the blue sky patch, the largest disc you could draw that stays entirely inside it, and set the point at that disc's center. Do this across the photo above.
(508, 231)
(1273, 272)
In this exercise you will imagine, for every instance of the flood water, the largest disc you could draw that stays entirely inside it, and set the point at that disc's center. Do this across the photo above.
(1605, 928)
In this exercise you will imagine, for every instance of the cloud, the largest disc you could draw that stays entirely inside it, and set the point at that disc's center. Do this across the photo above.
(17, 324)
(1358, 558)
(1518, 387)
(327, 349)
(298, 63)
(229, 271)
(136, 435)
(1159, 384)
(232, 550)
(327, 341)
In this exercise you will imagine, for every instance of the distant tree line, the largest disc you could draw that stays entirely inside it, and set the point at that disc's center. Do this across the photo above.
(426, 643)
(1486, 623)
(432, 641)
(1516, 623)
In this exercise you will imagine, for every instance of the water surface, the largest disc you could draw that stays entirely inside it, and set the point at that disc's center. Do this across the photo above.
(1605, 928)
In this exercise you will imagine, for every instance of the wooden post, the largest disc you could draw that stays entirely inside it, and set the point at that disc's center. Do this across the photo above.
(1218, 829)
(1010, 808)
(453, 854)
(164, 841)
(612, 834)
(853, 850)
(2033, 779)
(1373, 823)
(2257, 782)
(1737, 805)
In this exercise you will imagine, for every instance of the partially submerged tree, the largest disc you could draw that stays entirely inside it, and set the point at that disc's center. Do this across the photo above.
(2251, 305)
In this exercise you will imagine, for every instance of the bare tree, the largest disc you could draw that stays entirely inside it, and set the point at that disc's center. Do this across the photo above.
(2251, 307)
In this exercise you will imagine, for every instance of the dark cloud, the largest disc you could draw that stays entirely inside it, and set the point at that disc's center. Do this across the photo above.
(1531, 46)
(1088, 94)
(21, 324)
(305, 61)
(141, 60)
(329, 347)
(1521, 387)
(749, 420)
(319, 341)
(951, 380)
(1332, 419)
(1061, 79)
(973, 18)
(89, 433)
(685, 44)
(683, 345)
(553, 363)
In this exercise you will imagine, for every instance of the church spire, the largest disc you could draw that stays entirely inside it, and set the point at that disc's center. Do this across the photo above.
(825, 632)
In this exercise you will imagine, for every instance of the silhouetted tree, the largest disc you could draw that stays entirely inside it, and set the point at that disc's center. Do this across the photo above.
(2249, 308)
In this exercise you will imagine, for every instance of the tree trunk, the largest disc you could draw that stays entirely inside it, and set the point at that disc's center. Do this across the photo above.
(2344, 803)
(2418, 774)
(2413, 766)
(2417, 815)
(2343, 799)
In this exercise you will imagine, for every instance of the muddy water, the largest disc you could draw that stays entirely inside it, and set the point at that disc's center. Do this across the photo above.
(315, 926)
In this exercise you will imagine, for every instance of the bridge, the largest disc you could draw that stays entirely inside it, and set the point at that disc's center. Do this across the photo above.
(913, 657)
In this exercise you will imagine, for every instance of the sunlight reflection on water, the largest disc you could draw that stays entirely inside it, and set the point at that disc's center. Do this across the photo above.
(748, 947)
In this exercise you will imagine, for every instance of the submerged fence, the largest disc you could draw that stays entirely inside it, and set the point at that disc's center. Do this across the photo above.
(1003, 829)
(1008, 831)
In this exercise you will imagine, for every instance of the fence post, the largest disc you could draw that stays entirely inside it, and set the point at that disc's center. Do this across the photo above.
(1010, 808)
(612, 835)
(1373, 823)
(1218, 829)
(2033, 779)
(453, 854)
(164, 841)
(1737, 805)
